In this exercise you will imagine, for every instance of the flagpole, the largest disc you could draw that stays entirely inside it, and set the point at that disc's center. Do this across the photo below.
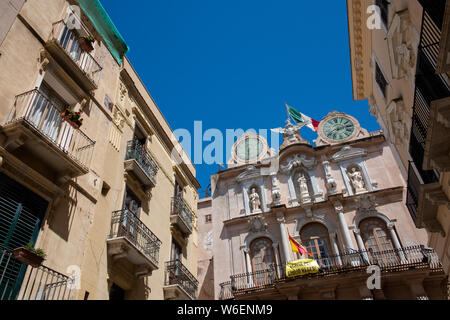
(288, 121)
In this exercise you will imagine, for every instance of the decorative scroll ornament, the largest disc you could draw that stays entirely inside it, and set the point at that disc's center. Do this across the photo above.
(257, 224)
(298, 161)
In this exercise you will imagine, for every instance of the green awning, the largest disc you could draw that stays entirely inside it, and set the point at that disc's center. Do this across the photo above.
(105, 27)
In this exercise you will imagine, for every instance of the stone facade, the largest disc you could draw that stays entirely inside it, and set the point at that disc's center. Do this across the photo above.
(107, 185)
(330, 215)
(402, 69)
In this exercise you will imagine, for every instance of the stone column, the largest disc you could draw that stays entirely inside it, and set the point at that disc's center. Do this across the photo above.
(335, 248)
(343, 225)
(284, 237)
(249, 266)
(361, 245)
(396, 242)
(277, 259)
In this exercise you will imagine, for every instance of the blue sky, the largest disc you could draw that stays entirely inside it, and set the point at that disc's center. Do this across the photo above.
(232, 64)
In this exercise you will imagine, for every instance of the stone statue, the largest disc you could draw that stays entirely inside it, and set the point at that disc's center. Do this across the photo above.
(356, 180)
(304, 193)
(255, 203)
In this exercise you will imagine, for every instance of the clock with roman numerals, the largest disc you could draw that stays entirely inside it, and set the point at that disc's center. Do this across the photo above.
(338, 127)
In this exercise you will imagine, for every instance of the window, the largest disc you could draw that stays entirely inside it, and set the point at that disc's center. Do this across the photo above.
(384, 11)
(262, 257)
(176, 251)
(208, 218)
(380, 79)
(377, 239)
(178, 192)
(315, 238)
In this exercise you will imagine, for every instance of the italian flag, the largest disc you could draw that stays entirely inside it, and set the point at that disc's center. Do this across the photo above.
(302, 118)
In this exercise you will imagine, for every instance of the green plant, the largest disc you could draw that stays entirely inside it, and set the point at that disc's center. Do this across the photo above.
(37, 251)
(89, 38)
(73, 116)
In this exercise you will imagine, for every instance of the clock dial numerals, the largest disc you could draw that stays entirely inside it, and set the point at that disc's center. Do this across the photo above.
(338, 128)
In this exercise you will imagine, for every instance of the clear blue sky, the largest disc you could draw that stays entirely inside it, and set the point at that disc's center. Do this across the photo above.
(232, 64)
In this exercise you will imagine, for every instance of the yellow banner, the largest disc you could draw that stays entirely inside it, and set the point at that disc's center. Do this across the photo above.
(301, 267)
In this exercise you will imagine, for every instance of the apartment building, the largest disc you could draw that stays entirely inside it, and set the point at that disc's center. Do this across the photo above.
(87, 168)
(402, 68)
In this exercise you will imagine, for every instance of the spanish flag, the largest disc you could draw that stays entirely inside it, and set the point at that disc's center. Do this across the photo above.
(297, 247)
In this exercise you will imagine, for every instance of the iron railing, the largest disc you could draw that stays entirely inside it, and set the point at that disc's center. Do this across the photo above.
(124, 223)
(390, 260)
(67, 38)
(181, 209)
(178, 274)
(136, 151)
(44, 115)
(21, 282)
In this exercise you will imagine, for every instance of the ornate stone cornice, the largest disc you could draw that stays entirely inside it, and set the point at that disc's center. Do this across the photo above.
(348, 152)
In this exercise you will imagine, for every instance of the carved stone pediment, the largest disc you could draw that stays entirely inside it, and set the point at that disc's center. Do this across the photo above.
(257, 224)
(250, 173)
(298, 161)
(399, 124)
(348, 152)
(403, 40)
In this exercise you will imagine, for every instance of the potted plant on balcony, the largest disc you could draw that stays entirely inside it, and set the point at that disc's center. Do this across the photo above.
(72, 117)
(86, 43)
(29, 255)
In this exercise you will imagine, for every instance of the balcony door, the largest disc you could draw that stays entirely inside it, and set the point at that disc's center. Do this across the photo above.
(315, 238)
(44, 111)
(130, 216)
(262, 257)
(377, 241)
(21, 215)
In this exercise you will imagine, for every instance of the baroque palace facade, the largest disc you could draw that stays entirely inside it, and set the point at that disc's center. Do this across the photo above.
(102, 196)
(403, 68)
(342, 199)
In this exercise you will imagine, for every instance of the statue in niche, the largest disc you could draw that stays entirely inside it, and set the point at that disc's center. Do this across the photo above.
(304, 192)
(356, 179)
(255, 203)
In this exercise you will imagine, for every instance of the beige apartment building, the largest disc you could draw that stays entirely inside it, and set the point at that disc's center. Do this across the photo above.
(402, 68)
(342, 199)
(103, 196)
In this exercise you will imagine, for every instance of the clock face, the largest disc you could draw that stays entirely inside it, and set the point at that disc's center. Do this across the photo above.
(249, 149)
(338, 128)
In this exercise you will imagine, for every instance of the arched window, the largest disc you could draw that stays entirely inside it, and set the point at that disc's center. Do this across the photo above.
(262, 256)
(377, 241)
(375, 235)
(315, 238)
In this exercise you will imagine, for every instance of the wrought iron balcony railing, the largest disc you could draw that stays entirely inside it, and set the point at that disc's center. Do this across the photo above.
(44, 115)
(21, 282)
(68, 38)
(136, 151)
(178, 274)
(391, 260)
(124, 223)
(182, 210)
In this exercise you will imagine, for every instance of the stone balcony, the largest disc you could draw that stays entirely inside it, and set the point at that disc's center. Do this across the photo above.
(179, 284)
(38, 135)
(130, 239)
(63, 45)
(181, 216)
